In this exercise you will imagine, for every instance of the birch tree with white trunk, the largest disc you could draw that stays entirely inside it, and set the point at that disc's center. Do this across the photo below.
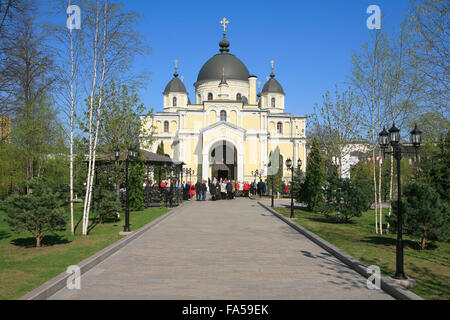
(115, 43)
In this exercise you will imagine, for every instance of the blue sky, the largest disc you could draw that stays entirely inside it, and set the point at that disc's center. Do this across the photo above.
(310, 41)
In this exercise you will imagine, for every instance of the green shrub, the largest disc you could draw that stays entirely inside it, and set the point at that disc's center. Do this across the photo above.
(105, 203)
(343, 200)
(425, 215)
(38, 213)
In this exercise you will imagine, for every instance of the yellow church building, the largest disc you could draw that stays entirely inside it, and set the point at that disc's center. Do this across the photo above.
(231, 128)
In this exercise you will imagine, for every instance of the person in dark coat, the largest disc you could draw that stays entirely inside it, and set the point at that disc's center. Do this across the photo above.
(214, 189)
(229, 190)
(204, 190)
(198, 190)
(186, 188)
(261, 188)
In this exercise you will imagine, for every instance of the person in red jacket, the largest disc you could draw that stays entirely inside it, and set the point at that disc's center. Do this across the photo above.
(246, 189)
(192, 192)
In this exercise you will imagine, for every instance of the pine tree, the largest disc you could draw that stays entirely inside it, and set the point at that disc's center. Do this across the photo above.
(38, 213)
(277, 178)
(425, 215)
(440, 171)
(106, 204)
(160, 174)
(135, 182)
(343, 199)
(311, 191)
(299, 178)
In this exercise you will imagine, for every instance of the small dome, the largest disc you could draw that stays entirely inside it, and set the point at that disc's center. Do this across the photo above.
(272, 86)
(175, 85)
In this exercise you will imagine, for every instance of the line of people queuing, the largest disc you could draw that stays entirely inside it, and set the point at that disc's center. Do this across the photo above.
(221, 189)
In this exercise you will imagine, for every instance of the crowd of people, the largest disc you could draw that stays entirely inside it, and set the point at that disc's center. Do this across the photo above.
(222, 189)
(219, 189)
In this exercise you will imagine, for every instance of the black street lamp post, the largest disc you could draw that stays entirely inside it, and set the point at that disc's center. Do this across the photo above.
(130, 156)
(178, 183)
(393, 138)
(171, 171)
(273, 178)
(291, 167)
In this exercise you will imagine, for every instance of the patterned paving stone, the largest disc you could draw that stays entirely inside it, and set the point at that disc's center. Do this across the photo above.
(222, 250)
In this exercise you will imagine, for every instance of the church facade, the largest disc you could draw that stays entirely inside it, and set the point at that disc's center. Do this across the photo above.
(231, 128)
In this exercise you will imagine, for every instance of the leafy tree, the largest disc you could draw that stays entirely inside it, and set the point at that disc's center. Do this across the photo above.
(429, 25)
(277, 178)
(299, 178)
(435, 167)
(55, 175)
(105, 202)
(135, 183)
(338, 124)
(12, 173)
(425, 215)
(120, 125)
(311, 190)
(38, 213)
(160, 174)
(343, 199)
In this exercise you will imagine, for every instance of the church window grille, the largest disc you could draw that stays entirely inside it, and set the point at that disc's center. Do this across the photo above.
(210, 96)
(239, 97)
(174, 101)
(166, 126)
(273, 103)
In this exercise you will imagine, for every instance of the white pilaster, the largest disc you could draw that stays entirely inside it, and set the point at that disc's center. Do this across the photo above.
(240, 164)
(205, 166)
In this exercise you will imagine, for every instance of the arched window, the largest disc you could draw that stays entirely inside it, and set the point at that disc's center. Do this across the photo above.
(166, 126)
(210, 96)
(279, 127)
(174, 101)
(239, 97)
(272, 103)
(223, 115)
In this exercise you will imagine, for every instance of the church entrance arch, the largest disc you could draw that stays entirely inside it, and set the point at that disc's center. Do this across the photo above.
(223, 160)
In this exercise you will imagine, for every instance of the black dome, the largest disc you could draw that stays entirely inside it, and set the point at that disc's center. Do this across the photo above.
(213, 68)
(175, 85)
(272, 86)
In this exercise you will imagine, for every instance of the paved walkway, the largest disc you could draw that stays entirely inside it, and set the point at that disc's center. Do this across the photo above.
(222, 250)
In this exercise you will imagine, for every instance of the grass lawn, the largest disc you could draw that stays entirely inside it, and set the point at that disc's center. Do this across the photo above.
(430, 268)
(23, 267)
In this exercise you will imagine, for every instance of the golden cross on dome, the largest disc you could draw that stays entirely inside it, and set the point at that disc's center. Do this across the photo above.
(272, 62)
(176, 65)
(224, 22)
